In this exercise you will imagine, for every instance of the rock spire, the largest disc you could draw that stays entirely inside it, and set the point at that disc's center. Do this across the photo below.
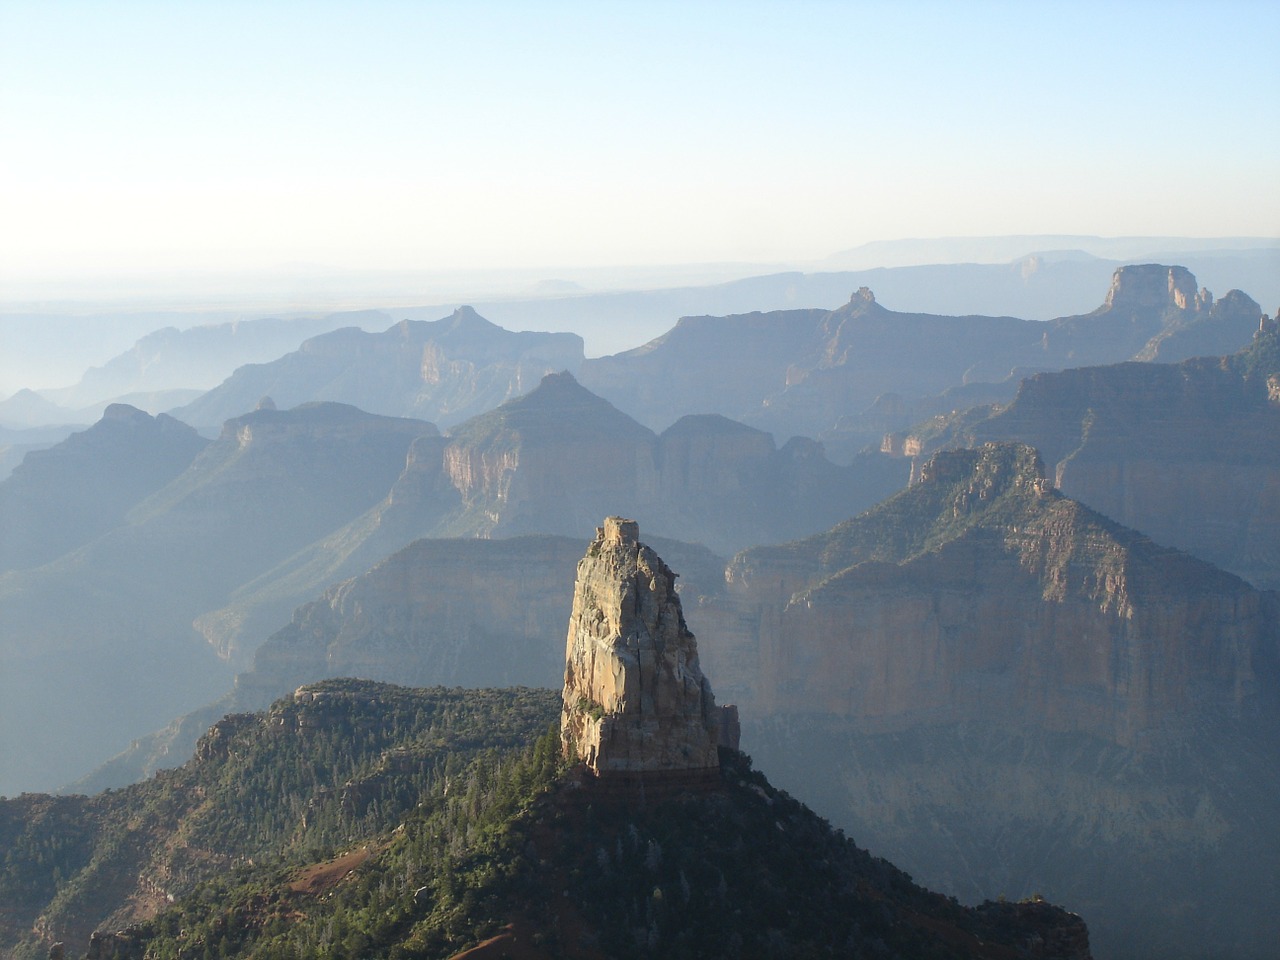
(636, 705)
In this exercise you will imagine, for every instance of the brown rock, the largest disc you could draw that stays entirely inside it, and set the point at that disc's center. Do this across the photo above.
(982, 594)
(635, 700)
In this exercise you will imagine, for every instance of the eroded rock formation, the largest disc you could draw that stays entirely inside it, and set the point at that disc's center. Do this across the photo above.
(636, 705)
(982, 594)
(1185, 452)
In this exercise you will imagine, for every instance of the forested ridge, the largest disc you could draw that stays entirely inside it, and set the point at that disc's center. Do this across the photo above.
(357, 819)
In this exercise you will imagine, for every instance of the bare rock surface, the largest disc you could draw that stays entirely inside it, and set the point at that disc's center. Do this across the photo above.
(1188, 453)
(635, 699)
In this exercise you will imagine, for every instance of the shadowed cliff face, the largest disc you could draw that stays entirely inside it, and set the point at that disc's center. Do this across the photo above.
(980, 593)
(1168, 855)
(105, 632)
(553, 462)
(1014, 694)
(61, 498)
(1011, 692)
(452, 612)
(1188, 454)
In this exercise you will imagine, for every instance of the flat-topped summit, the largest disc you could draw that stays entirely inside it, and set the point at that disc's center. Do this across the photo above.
(1154, 285)
(636, 705)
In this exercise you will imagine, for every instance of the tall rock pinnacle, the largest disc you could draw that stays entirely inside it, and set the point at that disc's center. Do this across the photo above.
(636, 705)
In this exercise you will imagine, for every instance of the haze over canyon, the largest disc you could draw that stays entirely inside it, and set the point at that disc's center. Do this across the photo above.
(993, 592)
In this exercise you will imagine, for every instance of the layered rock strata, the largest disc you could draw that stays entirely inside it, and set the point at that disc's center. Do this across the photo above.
(801, 372)
(1185, 452)
(982, 594)
(636, 705)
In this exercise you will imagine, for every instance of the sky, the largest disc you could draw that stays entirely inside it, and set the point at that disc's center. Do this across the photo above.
(146, 138)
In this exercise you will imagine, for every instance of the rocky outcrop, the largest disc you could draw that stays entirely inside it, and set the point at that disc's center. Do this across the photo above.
(1233, 319)
(553, 462)
(560, 457)
(451, 612)
(982, 594)
(1186, 453)
(1010, 693)
(636, 703)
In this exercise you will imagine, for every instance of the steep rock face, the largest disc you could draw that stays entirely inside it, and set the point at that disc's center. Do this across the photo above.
(452, 612)
(710, 455)
(1144, 301)
(635, 699)
(549, 461)
(1233, 319)
(1014, 694)
(444, 371)
(558, 458)
(1169, 855)
(1186, 453)
(61, 498)
(980, 593)
(553, 462)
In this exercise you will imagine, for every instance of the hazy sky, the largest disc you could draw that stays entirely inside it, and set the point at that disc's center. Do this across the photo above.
(163, 136)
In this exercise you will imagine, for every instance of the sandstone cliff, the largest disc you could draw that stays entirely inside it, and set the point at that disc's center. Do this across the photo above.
(635, 701)
(553, 462)
(452, 612)
(560, 457)
(1186, 453)
(1013, 694)
(981, 592)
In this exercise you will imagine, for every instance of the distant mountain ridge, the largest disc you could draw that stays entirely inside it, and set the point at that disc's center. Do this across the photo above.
(1008, 690)
(555, 460)
(61, 498)
(105, 631)
(801, 371)
(286, 502)
(200, 356)
(422, 822)
(443, 371)
(1003, 248)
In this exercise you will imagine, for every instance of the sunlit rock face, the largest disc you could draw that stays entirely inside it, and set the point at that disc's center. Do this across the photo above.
(636, 703)
(982, 594)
